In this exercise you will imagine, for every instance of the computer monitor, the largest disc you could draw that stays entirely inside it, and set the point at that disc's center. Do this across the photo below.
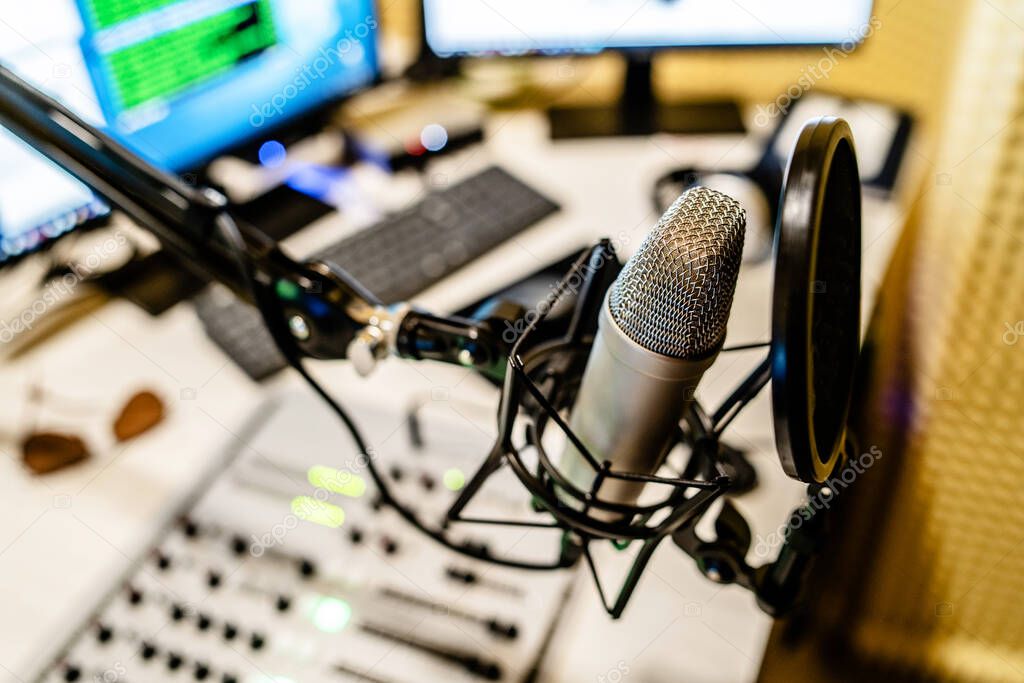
(178, 81)
(460, 28)
(481, 27)
(38, 201)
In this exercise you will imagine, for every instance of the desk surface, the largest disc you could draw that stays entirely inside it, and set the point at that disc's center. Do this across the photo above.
(66, 536)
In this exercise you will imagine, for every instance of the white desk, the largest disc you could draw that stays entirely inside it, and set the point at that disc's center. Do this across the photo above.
(66, 537)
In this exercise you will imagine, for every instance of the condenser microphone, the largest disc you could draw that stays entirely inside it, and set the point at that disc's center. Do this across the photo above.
(661, 327)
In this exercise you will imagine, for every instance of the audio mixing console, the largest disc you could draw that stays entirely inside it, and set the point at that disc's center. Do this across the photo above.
(287, 568)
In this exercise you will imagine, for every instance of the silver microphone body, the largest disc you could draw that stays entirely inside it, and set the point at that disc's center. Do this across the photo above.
(661, 327)
(629, 405)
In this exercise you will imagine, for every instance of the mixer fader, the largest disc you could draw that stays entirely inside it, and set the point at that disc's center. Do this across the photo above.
(288, 568)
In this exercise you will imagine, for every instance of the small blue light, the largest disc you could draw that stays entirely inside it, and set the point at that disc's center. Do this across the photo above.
(318, 182)
(373, 155)
(317, 307)
(434, 137)
(272, 154)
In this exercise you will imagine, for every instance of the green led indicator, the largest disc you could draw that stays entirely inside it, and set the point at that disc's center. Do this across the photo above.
(288, 290)
(331, 615)
(454, 479)
(310, 509)
(336, 481)
(110, 12)
(164, 64)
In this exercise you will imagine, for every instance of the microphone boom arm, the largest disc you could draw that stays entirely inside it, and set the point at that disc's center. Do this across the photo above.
(316, 309)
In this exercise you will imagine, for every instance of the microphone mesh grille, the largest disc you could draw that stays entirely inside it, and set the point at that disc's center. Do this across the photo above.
(674, 294)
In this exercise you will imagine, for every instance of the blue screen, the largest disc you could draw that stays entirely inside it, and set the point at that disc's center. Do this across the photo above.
(178, 81)
(182, 81)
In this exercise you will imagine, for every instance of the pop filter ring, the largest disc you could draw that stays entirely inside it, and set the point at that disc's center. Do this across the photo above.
(816, 300)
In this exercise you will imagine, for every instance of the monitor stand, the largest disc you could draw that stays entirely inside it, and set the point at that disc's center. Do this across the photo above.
(638, 111)
(428, 67)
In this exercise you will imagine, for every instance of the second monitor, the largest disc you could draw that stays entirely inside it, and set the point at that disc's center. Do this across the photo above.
(179, 81)
(458, 28)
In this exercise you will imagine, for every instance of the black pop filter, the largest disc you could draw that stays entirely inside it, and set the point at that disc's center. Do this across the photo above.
(816, 307)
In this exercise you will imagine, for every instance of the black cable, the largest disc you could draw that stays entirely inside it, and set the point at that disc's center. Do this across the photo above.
(273, 318)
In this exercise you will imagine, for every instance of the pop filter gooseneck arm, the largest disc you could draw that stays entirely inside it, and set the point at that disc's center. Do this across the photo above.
(811, 365)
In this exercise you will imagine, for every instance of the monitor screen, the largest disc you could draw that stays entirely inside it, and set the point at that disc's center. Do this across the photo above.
(178, 81)
(480, 27)
(39, 201)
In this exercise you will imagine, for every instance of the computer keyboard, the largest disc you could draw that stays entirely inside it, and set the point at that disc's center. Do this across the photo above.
(410, 251)
(395, 259)
(238, 329)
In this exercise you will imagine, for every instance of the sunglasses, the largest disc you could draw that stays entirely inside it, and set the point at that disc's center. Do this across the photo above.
(46, 452)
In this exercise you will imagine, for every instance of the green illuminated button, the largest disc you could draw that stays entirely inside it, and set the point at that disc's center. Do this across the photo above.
(288, 290)
(331, 615)
(310, 509)
(454, 479)
(336, 481)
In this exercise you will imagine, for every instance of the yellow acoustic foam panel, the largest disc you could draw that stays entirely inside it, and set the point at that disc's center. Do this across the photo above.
(933, 575)
(904, 60)
(947, 588)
